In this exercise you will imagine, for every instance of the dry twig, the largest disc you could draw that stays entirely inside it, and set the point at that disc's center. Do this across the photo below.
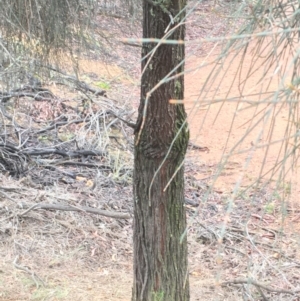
(261, 286)
(33, 275)
(61, 207)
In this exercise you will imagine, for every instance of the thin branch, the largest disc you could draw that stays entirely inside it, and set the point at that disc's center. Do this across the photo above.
(130, 124)
(132, 44)
(262, 293)
(70, 154)
(262, 286)
(61, 207)
(7, 196)
(27, 270)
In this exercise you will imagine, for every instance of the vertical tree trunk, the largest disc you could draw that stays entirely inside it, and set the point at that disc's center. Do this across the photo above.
(160, 257)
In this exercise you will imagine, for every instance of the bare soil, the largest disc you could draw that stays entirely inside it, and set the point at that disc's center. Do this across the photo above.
(224, 129)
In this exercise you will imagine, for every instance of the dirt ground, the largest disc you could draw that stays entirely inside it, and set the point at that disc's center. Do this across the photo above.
(76, 256)
(221, 127)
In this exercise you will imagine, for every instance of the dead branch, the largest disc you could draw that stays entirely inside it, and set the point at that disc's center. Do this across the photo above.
(70, 154)
(5, 114)
(7, 196)
(191, 202)
(262, 293)
(131, 44)
(92, 165)
(262, 286)
(130, 124)
(84, 87)
(110, 15)
(12, 189)
(33, 275)
(12, 160)
(197, 147)
(62, 123)
(37, 93)
(61, 207)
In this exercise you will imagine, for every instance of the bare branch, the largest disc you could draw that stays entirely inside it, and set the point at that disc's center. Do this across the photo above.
(262, 286)
(29, 207)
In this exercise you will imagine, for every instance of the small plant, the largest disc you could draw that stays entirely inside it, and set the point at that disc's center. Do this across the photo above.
(103, 85)
(66, 136)
(287, 188)
(43, 138)
(277, 196)
(119, 166)
(158, 296)
(270, 208)
(46, 293)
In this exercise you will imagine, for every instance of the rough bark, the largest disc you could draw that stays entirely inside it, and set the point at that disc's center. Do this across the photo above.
(160, 249)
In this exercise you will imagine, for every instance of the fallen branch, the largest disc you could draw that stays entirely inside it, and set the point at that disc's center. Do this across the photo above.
(110, 15)
(82, 86)
(70, 154)
(55, 125)
(91, 165)
(131, 44)
(5, 114)
(130, 124)
(7, 196)
(33, 275)
(39, 94)
(197, 147)
(61, 123)
(60, 207)
(262, 286)
(12, 160)
(191, 202)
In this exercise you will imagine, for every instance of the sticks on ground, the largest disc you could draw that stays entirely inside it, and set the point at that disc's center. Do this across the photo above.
(33, 275)
(261, 286)
(61, 207)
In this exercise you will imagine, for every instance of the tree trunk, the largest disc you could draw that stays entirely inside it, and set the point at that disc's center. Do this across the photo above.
(160, 246)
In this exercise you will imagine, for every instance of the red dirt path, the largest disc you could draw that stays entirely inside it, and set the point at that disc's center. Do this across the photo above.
(220, 126)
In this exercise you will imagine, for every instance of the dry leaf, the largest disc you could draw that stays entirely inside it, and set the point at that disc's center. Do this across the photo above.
(80, 179)
(89, 183)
